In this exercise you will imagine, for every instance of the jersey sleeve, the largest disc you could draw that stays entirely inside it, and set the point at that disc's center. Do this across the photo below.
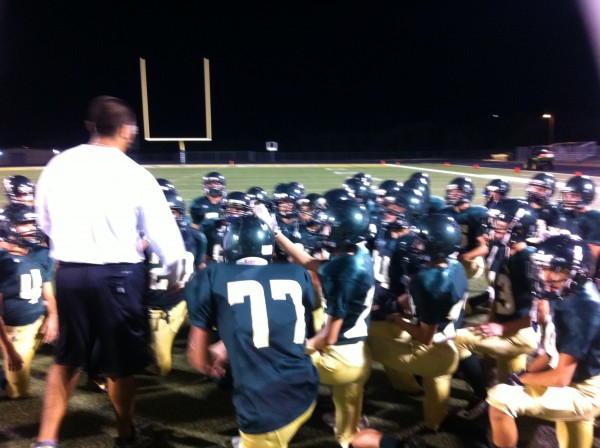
(199, 301)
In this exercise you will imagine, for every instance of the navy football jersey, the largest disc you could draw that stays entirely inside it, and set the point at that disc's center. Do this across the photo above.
(512, 284)
(156, 294)
(586, 225)
(262, 313)
(209, 217)
(348, 284)
(471, 222)
(577, 321)
(21, 279)
(435, 290)
(312, 242)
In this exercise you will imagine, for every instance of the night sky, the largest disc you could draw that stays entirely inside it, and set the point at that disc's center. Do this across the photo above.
(300, 72)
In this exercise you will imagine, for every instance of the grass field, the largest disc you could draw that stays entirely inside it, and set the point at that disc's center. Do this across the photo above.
(187, 409)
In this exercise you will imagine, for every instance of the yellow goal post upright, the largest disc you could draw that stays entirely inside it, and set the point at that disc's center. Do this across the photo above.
(181, 140)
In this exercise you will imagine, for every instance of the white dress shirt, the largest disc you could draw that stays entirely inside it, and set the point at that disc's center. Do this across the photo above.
(95, 203)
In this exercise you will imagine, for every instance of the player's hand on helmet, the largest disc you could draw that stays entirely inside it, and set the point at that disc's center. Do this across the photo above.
(261, 211)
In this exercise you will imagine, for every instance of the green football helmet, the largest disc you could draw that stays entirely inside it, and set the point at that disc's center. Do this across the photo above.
(346, 223)
(248, 237)
(437, 236)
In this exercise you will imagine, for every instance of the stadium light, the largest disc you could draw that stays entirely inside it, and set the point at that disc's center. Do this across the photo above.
(550, 119)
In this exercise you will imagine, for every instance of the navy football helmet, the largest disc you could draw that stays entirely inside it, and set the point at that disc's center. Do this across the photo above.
(388, 187)
(437, 236)
(494, 191)
(248, 237)
(566, 254)
(214, 184)
(176, 204)
(166, 185)
(460, 190)
(581, 186)
(356, 188)
(338, 195)
(346, 223)
(540, 188)
(13, 217)
(19, 189)
(259, 195)
(312, 209)
(236, 205)
(511, 220)
(364, 178)
(284, 200)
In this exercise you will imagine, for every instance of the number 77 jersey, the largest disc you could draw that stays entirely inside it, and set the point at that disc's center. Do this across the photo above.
(262, 314)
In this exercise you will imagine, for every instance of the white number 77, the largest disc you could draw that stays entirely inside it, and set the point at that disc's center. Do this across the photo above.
(237, 291)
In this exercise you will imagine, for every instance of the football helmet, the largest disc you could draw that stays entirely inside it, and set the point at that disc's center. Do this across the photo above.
(364, 178)
(346, 223)
(411, 200)
(418, 179)
(166, 185)
(338, 195)
(297, 189)
(356, 188)
(214, 184)
(459, 191)
(394, 215)
(259, 195)
(387, 188)
(236, 205)
(18, 225)
(568, 258)
(437, 236)
(540, 188)
(19, 189)
(581, 186)
(248, 237)
(494, 191)
(510, 220)
(176, 204)
(311, 210)
(284, 200)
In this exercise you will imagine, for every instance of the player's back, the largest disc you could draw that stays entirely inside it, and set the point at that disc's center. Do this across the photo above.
(261, 315)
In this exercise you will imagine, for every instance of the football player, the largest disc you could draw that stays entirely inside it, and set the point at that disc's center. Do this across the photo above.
(494, 191)
(19, 189)
(420, 181)
(563, 383)
(540, 190)
(339, 350)
(470, 218)
(285, 197)
(402, 208)
(259, 196)
(206, 212)
(167, 310)
(261, 311)
(424, 346)
(28, 307)
(509, 335)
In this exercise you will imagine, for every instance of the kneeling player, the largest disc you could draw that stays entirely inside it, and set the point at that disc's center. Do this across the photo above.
(261, 311)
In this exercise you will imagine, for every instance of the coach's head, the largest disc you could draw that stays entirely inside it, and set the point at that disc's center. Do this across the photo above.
(111, 122)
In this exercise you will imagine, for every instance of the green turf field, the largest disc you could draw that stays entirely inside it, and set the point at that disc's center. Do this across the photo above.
(320, 178)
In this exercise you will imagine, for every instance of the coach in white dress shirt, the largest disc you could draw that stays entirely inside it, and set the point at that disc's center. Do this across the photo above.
(95, 204)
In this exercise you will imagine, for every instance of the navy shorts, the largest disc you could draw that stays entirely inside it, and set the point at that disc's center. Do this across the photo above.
(102, 303)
